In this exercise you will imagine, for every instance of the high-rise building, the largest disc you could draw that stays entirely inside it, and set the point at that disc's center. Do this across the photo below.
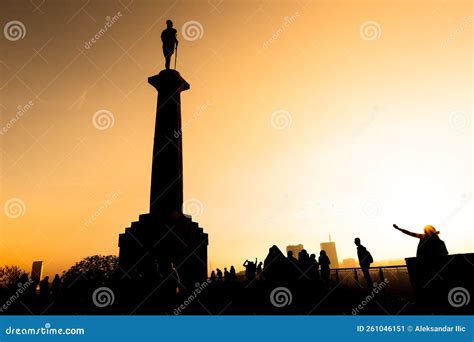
(295, 249)
(37, 271)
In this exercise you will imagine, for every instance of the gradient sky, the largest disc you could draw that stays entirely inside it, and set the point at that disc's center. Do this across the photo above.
(304, 119)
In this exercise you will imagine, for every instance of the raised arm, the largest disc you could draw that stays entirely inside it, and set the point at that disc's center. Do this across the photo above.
(419, 236)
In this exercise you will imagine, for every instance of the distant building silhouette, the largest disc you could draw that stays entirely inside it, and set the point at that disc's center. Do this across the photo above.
(330, 248)
(296, 249)
(37, 271)
(349, 263)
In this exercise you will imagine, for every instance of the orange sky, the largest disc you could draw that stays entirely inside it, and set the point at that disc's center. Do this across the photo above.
(372, 124)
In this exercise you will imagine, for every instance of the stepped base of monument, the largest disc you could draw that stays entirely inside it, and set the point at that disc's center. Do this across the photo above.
(164, 247)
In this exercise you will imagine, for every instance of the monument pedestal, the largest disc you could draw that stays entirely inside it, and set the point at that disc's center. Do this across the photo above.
(153, 242)
(165, 240)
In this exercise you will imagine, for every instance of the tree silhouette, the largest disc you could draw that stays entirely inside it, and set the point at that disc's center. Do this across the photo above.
(10, 276)
(96, 269)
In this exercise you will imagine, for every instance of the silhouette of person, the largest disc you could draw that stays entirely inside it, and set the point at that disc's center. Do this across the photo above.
(275, 265)
(233, 275)
(226, 275)
(430, 245)
(430, 261)
(168, 37)
(314, 267)
(250, 269)
(55, 286)
(303, 264)
(219, 274)
(44, 289)
(324, 262)
(291, 258)
(259, 269)
(213, 276)
(365, 259)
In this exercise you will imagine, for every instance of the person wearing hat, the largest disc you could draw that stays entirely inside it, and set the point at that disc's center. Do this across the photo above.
(430, 245)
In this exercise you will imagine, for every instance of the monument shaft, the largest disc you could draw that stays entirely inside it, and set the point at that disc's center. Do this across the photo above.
(166, 196)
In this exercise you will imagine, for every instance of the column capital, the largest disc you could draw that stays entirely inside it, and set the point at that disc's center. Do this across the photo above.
(168, 80)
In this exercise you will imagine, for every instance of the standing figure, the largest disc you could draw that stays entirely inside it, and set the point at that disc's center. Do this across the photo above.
(219, 274)
(233, 275)
(168, 37)
(430, 245)
(365, 259)
(55, 286)
(314, 268)
(250, 269)
(324, 262)
(226, 275)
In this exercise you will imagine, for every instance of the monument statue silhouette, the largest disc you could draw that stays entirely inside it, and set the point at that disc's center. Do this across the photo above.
(165, 240)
